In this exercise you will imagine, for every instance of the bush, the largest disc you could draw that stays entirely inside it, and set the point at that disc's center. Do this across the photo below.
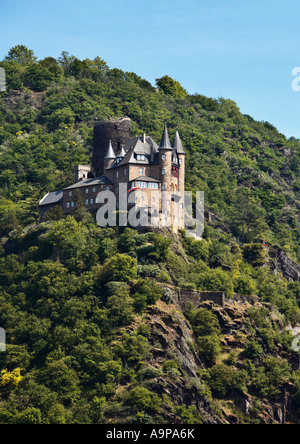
(216, 280)
(252, 349)
(142, 400)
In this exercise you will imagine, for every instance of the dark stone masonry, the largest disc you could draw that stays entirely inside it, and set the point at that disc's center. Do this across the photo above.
(115, 130)
(196, 297)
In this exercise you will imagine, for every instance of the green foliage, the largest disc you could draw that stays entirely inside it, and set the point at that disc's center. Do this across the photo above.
(271, 376)
(145, 292)
(74, 296)
(120, 268)
(254, 254)
(215, 280)
(21, 55)
(141, 399)
(170, 86)
(222, 379)
(207, 331)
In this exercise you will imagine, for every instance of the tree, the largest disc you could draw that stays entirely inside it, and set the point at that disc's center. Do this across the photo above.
(248, 220)
(171, 87)
(38, 77)
(22, 55)
(120, 267)
(142, 400)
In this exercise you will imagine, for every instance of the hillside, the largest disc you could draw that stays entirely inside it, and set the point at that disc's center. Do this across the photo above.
(94, 331)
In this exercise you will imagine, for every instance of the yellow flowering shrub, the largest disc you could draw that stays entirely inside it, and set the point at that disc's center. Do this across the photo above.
(10, 378)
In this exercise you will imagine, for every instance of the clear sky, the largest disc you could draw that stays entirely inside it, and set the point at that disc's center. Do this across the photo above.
(244, 50)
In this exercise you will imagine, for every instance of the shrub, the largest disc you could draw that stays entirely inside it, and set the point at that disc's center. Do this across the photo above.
(142, 400)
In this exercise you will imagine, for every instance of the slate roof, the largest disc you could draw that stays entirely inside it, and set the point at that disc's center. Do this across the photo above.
(177, 144)
(135, 146)
(145, 179)
(89, 182)
(51, 198)
(110, 154)
(165, 141)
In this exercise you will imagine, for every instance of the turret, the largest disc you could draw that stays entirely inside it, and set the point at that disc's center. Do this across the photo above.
(177, 146)
(120, 156)
(165, 161)
(109, 156)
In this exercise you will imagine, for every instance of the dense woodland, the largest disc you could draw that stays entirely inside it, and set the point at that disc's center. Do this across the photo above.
(74, 297)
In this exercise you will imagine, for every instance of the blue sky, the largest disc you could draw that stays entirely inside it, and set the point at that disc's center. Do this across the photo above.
(244, 50)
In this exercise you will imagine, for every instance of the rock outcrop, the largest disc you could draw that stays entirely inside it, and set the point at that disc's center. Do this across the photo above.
(285, 266)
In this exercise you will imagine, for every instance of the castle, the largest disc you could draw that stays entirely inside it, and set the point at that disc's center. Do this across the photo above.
(152, 175)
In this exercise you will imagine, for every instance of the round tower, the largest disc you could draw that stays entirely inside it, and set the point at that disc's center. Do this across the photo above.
(114, 131)
(177, 146)
(165, 162)
(180, 211)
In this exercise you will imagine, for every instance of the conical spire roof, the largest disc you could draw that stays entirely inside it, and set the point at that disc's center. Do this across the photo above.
(110, 154)
(177, 144)
(122, 152)
(165, 141)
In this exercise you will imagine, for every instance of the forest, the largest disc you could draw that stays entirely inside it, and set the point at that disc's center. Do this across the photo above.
(82, 305)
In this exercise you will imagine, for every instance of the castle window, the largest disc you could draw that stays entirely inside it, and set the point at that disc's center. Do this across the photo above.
(107, 188)
(72, 204)
(70, 193)
(86, 201)
(141, 171)
(117, 174)
(124, 172)
(94, 189)
(96, 200)
(142, 184)
(68, 204)
(163, 187)
(153, 185)
(86, 191)
(180, 161)
(91, 201)
(175, 172)
(141, 157)
(163, 157)
(163, 171)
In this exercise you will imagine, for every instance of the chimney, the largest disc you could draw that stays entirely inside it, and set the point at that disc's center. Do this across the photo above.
(152, 153)
(144, 137)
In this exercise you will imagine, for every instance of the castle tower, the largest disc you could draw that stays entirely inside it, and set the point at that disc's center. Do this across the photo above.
(177, 146)
(82, 172)
(116, 131)
(109, 156)
(165, 161)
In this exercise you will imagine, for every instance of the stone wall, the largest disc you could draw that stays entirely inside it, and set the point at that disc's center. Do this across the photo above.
(196, 297)
(116, 130)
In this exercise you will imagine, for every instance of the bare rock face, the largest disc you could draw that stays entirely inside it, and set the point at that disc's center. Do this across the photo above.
(116, 130)
(286, 266)
(171, 335)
